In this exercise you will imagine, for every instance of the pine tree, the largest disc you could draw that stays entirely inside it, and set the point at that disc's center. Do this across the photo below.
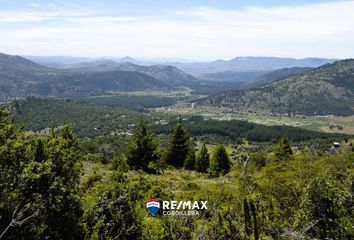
(142, 150)
(283, 150)
(189, 162)
(220, 162)
(255, 222)
(39, 155)
(247, 218)
(178, 148)
(203, 160)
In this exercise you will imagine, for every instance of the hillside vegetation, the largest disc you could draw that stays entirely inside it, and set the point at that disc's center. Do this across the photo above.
(273, 76)
(168, 74)
(20, 77)
(89, 120)
(86, 119)
(323, 91)
(56, 186)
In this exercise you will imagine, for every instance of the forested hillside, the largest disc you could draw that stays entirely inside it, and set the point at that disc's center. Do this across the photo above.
(20, 77)
(168, 74)
(325, 90)
(86, 119)
(274, 76)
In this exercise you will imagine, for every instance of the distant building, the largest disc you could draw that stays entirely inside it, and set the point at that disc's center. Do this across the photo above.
(336, 144)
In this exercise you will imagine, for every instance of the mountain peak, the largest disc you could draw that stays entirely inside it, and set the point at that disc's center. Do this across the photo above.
(127, 59)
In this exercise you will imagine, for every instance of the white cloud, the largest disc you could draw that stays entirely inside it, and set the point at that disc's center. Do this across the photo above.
(325, 30)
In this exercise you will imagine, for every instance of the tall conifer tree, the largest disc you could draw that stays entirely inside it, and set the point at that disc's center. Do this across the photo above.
(178, 148)
(203, 160)
(142, 150)
(189, 162)
(283, 150)
(220, 162)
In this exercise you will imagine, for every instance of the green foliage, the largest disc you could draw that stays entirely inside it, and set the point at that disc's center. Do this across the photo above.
(250, 216)
(324, 210)
(247, 216)
(112, 217)
(203, 161)
(90, 182)
(236, 130)
(189, 162)
(120, 164)
(39, 184)
(90, 120)
(142, 150)
(139, 103)
(259, 159)
(86, 120)
(282, 150)
(220, 162)
(255, 221)
(51, 196)
(178, 148)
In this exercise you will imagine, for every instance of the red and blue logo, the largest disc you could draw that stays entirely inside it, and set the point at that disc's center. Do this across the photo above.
(153, 206)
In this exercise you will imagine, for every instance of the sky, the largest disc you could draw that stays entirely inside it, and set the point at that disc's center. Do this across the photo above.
(184, 29)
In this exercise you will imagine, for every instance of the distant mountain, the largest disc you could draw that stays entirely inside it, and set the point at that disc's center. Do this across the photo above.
(20, 77)
(168, 74)
(57, 61)
(122, 81)
(102, 65)
(128, 59)
(237, 64)
(249, 64)
(234, 76)
(326, 90)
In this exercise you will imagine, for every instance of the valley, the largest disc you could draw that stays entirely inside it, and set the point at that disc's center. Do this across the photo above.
(103, 137)
(176, 120)
(164, 89)
(329, 123)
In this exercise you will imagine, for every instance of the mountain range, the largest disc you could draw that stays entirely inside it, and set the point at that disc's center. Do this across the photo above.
(325, 90)
(250, 64)
(198, 68)
(20, 77)
(202, 77)
(168, 74)
(304, 89)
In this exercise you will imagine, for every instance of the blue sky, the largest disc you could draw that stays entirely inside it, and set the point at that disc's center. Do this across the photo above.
(202, 30)
(153, 5)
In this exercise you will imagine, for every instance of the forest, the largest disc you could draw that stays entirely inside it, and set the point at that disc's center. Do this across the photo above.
(57, 186)
(92, 120)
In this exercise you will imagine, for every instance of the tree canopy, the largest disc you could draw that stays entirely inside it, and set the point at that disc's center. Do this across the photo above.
(220, 162)
(179, 146)
(142, 150)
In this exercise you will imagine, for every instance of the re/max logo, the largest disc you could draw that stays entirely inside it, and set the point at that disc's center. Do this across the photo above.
(183, 205)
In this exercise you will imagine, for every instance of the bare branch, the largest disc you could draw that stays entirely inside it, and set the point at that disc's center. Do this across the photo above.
(17, 216)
